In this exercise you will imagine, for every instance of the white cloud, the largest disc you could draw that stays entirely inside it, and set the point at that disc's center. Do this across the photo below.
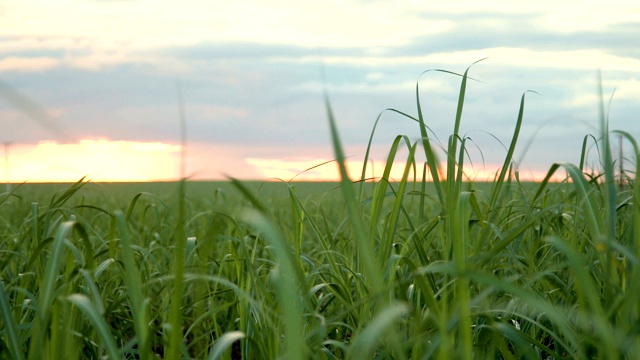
(504, 56)
(27, 64)
(105, 33)
(150, 24)
(362, 87)
(570, 16)
(563, 16)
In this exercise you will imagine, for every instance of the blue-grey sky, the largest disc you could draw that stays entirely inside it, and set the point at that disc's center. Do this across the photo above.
(252, 74)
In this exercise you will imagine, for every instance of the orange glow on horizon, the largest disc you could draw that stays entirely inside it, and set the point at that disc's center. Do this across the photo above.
(326, 170)
(315, 169)
(104, 160)
(98, 160)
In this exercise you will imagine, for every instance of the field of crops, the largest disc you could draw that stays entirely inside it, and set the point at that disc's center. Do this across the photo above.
(376, 269)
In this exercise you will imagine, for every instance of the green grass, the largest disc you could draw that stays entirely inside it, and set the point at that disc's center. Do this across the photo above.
(371, 269)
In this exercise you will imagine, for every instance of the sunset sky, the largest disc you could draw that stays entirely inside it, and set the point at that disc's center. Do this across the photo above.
(92, 87)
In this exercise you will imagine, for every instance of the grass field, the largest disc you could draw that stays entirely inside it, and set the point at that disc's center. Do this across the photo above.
(405, 269)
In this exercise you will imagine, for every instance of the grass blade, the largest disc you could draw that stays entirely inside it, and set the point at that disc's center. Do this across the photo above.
(96, 319)
(497, 187)
(10, 326)
(286, 286)
(133, 284)
(223, 343)
(364, 342)
(373, 275)
(48, 289)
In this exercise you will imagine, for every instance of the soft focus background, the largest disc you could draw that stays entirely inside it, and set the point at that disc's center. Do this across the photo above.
(93, 87)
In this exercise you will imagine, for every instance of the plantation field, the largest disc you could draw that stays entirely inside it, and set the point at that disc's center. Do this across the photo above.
(535, 284)
(168, 190)
(360, 270)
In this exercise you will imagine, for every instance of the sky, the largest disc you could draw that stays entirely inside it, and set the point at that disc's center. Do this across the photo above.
(94, 87)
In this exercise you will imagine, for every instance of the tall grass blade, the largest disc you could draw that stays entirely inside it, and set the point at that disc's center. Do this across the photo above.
(607, 158)
(367, 154)
(588, 292)
(175, 312)
(35, 111)
(430, 155)
(365, 246)
(363, 345)
(10, 327)
(583, 152)
(460, 239)
(610, 196)
(133, 283)
(396, 210)
(636, 189)
(380, 190)
(223, 343)
(46, 296)
(95, 317)
(588, 202)
(287, 286)
(69, 192)
(564, 336)
(288, 276)
(497, 186)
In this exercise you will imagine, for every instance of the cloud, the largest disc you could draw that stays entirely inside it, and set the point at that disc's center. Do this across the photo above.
(253, 74)
(164, 23)
(22, 64)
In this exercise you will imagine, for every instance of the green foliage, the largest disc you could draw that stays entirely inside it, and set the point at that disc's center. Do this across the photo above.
(377, 269)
